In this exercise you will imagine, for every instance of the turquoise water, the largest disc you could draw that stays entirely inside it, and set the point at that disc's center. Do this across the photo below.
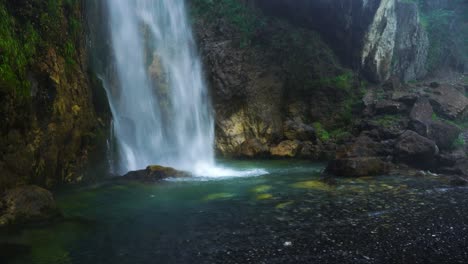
(284, 216)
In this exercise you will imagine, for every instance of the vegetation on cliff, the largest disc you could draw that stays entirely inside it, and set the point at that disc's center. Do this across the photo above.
(47, 116)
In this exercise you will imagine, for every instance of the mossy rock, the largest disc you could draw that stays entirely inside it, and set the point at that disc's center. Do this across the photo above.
(155, 173)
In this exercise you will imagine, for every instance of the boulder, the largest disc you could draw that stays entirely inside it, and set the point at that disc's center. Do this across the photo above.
(155, 173)
(443, 133)
(422, 110)
(253, 148)
(286, 149)
(298, 131)
(27, 204)
(451, 158)
(449, 102)
(389, 107)
(357, 167)
(415, 150)
(311, 151)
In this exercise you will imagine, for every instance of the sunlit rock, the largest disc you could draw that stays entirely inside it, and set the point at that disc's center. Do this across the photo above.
(286, 149)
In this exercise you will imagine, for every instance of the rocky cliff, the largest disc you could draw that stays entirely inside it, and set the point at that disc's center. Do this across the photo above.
(48, 117)
(288, 78)
(380, 38)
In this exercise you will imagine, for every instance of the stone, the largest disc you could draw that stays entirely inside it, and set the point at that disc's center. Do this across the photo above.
(286, 149)
(443, 133)
(451, 158)
(155, 173)
(311, 151)
(298, 131)
(253, 148)
(448, 102)
(388, 107)
(422, 110)
(357, 167)
(415, 150)
(27, 204)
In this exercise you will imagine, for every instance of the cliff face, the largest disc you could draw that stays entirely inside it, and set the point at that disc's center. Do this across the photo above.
(380, 38)
(267, 76)
(47, 113)
(276, 66)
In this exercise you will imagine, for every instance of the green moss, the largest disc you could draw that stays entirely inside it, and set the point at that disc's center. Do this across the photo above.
(322, 134)
(235, 12)
(388, 120)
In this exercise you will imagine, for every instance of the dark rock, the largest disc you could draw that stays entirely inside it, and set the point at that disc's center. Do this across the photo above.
(253, 148)
(405, 97)
(422, 110)
(443, 133)
(155, 173)
(356, 167)
(434, 84)
(362, 146)
(388, 107)
(310, 150)
(448, 102)
(27, 204)
(416, 150)
(299, 131)
(458, 181)
(286, 149)
(450, 159)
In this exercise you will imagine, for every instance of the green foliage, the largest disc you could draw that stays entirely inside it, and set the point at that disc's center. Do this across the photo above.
(235, 12)
(27, 30)
(388, 120)
(16, 53)
(321, 132)
(457, 143)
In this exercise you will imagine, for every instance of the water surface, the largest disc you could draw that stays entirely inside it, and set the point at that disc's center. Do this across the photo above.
(285, 216)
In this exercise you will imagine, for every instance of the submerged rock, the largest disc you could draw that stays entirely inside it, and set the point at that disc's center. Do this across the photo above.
(27, 204)
(357, 167)
(156, 173)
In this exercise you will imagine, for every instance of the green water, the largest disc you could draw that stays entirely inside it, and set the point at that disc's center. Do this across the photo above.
(285, 216)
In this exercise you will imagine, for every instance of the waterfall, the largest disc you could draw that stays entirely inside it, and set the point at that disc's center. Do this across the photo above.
(159, 101)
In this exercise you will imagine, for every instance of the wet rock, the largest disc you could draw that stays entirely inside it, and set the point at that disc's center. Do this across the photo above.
(286, 149)
(155, 173)
(298, 131)
(458, 181)
(422, 110)
(405, 97)
(448, 102)
(356, 167)
(416, 150)
(310, 150)
(362, 146)
(253, 148)
(27, 204)
(443, 133)
(451, 158)
(388, 107)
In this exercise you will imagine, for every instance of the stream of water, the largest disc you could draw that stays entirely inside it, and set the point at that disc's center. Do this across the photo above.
(159, 102)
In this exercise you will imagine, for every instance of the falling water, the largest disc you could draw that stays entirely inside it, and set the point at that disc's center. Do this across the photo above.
(161, 109)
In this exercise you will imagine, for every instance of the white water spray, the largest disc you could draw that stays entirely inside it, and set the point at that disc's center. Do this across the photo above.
(162, 113)
(158, 98)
